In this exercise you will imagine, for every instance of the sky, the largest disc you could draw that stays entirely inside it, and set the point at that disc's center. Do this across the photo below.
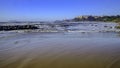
(37, 10)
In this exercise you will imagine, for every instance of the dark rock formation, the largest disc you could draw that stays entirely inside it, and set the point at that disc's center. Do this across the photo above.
(17, 27)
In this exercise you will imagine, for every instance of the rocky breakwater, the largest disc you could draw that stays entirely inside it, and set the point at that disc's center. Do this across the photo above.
(16, 27)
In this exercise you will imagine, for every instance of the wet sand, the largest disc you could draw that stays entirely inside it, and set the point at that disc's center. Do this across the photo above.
(60, 50)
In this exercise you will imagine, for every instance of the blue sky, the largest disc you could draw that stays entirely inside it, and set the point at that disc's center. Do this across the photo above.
(36, 10)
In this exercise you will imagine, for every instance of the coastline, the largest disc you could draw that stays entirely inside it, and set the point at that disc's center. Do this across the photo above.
(82, 26)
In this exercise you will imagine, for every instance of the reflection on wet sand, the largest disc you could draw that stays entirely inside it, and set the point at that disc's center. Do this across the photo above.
(59, 51)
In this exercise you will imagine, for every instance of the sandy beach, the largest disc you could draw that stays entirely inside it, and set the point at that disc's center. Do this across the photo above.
(60, 50)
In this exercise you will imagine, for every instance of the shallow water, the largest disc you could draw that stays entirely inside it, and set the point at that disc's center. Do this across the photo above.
(96, 26)
(60, 50)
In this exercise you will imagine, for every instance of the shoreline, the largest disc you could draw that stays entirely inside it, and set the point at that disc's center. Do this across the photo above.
(49, 31)
(81, 26)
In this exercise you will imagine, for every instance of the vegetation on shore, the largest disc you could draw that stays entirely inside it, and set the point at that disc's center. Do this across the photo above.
(118, 27)
(98, 18)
